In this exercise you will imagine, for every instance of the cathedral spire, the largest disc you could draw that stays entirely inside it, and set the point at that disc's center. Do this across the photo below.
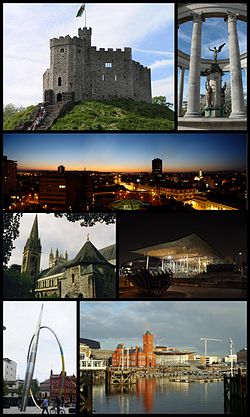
(33, 241)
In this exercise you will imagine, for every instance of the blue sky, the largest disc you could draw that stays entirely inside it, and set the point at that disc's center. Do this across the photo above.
(179, 324)
(127, 152)
(214, 33)
(147, 28)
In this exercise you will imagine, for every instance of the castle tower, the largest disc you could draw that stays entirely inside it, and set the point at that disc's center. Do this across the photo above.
(65, 80)
(148, 342)
(32, 253)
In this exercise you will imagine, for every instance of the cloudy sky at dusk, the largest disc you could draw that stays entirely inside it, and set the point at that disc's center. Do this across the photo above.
(146, 28)
(20, 319)
(62, 234)
(127, 152)
(174, 323)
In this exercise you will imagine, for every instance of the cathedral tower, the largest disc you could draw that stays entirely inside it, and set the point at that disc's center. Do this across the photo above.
(32, 254)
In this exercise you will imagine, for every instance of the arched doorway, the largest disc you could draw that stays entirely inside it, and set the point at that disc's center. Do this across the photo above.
(59, 97)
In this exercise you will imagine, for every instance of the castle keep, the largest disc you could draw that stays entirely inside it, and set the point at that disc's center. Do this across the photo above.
(79, 71)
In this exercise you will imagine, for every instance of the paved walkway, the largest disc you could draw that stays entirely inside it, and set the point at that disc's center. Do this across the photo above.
(29, 410)
(176, 292)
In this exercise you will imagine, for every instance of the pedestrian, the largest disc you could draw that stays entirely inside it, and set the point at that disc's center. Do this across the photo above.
(19, 403)
(45, 405)
(58, 402)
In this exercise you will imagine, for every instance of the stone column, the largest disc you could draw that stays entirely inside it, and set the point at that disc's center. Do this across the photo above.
(193, 100)
(235, 68)
(180, 92)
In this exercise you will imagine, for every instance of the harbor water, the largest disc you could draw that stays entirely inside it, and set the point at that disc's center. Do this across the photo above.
(159, 396)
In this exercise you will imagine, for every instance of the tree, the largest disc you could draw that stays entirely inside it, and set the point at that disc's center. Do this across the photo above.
(10, 110)
(16, 285)
(11, 222)
(162, 101)
(89, 219)
(34, 386)
(5, 388)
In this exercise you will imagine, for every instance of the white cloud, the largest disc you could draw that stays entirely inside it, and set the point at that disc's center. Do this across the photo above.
(149, 51)
(28, 28)
(164, 87)
(161, 63)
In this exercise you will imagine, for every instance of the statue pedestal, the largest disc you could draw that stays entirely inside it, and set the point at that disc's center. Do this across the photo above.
(211, 112)
(214, 79)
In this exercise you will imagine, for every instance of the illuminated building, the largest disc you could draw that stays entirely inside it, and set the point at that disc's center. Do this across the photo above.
(136, 357)
(202, 203)
(157, 166)
(65, 189)
(187, 256)
(69, 387)
(199, 177)
(9, 175)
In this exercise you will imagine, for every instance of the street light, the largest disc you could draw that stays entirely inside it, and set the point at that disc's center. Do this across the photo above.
(240, 258)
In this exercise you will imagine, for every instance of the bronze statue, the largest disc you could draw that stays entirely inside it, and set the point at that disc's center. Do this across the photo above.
(216, 51)
(209, 94)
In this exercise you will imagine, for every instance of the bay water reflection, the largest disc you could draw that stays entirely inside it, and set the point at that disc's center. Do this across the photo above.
(159, 396)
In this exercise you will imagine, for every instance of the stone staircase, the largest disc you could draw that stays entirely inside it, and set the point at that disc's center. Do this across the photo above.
(53, 111)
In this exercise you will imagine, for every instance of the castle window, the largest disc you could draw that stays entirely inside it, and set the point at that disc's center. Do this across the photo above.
(115, 77)
(108, 64)
(78, 51)
(103, 77)
(62, 50)
(59, 81)
(73, 278)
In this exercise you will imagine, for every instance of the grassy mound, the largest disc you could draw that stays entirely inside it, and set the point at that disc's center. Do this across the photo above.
(18, 118)
(117, 114)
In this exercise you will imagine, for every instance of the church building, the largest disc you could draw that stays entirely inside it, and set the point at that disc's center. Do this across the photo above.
(91, 274)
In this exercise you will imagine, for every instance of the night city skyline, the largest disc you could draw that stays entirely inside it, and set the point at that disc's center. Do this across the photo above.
(127, 152)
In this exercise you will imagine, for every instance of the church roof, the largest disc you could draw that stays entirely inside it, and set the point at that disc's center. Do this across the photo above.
(109, 252)
(87, 255)
(57, 269)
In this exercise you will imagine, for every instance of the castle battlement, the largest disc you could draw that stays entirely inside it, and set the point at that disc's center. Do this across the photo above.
(140, 66)
(84, 72)
(66, 40)
(126, 50)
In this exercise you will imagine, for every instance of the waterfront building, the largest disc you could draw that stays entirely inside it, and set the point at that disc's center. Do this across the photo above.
(187, 256)
(242, 356)
(136, 357)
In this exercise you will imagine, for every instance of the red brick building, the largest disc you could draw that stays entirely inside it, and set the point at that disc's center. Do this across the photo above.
(69, 387)
(138, 357)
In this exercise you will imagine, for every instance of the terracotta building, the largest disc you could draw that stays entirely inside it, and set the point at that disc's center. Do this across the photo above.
(138, 357)
(69, 387)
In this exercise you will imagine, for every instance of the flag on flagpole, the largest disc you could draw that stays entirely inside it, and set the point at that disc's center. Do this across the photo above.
(81, 10)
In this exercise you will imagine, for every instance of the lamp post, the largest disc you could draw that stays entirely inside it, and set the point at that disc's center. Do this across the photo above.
(240, 259)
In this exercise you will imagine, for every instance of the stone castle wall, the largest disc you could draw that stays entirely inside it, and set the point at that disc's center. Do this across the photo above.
(78, 67)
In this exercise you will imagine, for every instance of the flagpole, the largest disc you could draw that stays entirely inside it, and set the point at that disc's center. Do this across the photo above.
(85, 16)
